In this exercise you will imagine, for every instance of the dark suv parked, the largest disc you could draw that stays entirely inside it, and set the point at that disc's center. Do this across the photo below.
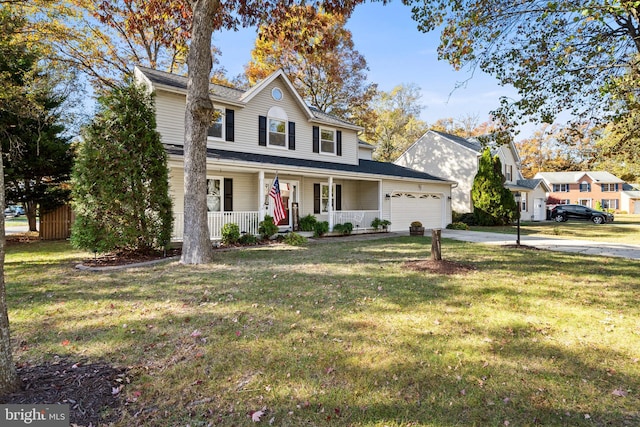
(566, 212)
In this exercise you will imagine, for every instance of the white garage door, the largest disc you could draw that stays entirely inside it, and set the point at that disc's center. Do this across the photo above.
(409, 207)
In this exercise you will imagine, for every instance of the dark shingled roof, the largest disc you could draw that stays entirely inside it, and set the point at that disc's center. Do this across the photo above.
(365, 167)
(180, 82)
(471, 144)
(529, 183)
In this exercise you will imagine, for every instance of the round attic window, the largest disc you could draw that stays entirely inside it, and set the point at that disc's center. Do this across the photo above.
(276, 93)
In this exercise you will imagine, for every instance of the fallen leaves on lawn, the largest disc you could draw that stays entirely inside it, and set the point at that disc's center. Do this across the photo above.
(256, 416)
(619, 392)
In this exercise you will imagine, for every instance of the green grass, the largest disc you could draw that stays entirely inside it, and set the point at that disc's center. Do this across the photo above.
(343, 334)
(16, 221)
(625, 229)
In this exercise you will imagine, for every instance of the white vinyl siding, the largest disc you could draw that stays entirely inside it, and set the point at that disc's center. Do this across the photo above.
(170, 110)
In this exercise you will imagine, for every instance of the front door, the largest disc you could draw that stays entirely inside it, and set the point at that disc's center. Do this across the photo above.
(289, 194)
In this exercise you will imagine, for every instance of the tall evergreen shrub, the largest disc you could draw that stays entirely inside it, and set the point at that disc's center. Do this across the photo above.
(120, 178)
(492, 203)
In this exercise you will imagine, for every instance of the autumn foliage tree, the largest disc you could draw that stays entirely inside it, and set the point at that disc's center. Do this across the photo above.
(553, 148)
(317, 54)
(398, 122)
(207, 16)
(560, 55)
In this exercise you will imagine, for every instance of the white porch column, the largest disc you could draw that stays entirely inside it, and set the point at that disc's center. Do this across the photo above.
(261, 209)
(330, 204)
(380, 200)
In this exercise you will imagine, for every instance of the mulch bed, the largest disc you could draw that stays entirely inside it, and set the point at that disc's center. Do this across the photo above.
(91, 390)
(440, 267)
(129, 257)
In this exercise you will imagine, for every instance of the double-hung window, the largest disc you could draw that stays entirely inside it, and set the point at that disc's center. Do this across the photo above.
(214, 194)
(217, 126)
(560, 188)
(585, 187)
(609, 187)
(277, 132)
(327, 141)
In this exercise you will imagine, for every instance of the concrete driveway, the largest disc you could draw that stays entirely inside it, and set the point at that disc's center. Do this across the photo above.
(586, 247)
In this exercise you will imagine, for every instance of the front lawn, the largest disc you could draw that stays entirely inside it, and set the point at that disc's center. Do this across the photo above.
(625, 229)
(344, 334)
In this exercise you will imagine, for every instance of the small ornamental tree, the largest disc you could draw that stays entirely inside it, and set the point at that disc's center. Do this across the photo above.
(492, 203)
(120, 178)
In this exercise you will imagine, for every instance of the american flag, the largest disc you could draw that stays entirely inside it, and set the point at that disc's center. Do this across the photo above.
(278, 207)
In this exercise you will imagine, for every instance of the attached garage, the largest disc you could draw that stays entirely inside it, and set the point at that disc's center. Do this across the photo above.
(406, 207)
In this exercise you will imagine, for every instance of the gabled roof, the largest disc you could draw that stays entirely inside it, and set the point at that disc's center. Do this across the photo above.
(365, 167)
(532, 183)
(471, 144)
(577, 176)
(237, 97)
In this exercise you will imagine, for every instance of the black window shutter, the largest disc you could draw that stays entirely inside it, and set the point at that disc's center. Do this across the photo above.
(262, 131)
(338, 197)
(316, 139)
(229, 125)
(316, 198)
(292, 135)
(339, 143)
(228, 194)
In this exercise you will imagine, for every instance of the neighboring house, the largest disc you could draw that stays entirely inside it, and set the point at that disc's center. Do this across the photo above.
(584, 188)
(630, 198)
(456, 158)
(322, 167)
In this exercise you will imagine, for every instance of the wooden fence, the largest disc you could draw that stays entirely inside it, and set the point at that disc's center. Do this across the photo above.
(56, 225)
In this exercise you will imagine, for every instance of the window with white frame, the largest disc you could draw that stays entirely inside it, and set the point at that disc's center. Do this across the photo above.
(214, 194)
(609, 187)
(217, 125)
(324, 197)
(609, 203)
(585, 187)
(565, 202)
(327, 141)
(560, 188)
(277, 132)
(508, 172)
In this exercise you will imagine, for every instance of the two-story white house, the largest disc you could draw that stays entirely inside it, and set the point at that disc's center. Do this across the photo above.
(322, 167)
(455, 158)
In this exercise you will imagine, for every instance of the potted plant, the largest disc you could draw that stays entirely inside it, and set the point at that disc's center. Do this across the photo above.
(416, 229)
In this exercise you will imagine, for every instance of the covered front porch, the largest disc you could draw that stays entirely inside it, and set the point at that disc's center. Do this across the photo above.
(243, 198)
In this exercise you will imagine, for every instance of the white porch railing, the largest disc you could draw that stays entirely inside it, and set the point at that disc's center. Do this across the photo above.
(359, 219)
(246, 221)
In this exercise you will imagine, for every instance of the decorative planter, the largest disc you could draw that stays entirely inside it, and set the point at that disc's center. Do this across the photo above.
(416, 231)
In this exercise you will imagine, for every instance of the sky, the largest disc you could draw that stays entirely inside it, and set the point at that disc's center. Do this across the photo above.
(396, 53)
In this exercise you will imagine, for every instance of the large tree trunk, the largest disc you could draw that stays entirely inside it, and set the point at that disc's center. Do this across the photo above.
(196, 246)
(9, 380)
(30, 212)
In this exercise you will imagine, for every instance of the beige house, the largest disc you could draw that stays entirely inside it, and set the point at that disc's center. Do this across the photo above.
(456, 159)
(322, 167)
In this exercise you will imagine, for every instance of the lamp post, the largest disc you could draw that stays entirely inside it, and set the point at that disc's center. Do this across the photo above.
(518, 197)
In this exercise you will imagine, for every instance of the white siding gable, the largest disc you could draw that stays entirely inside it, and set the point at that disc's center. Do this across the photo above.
(170, 113)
